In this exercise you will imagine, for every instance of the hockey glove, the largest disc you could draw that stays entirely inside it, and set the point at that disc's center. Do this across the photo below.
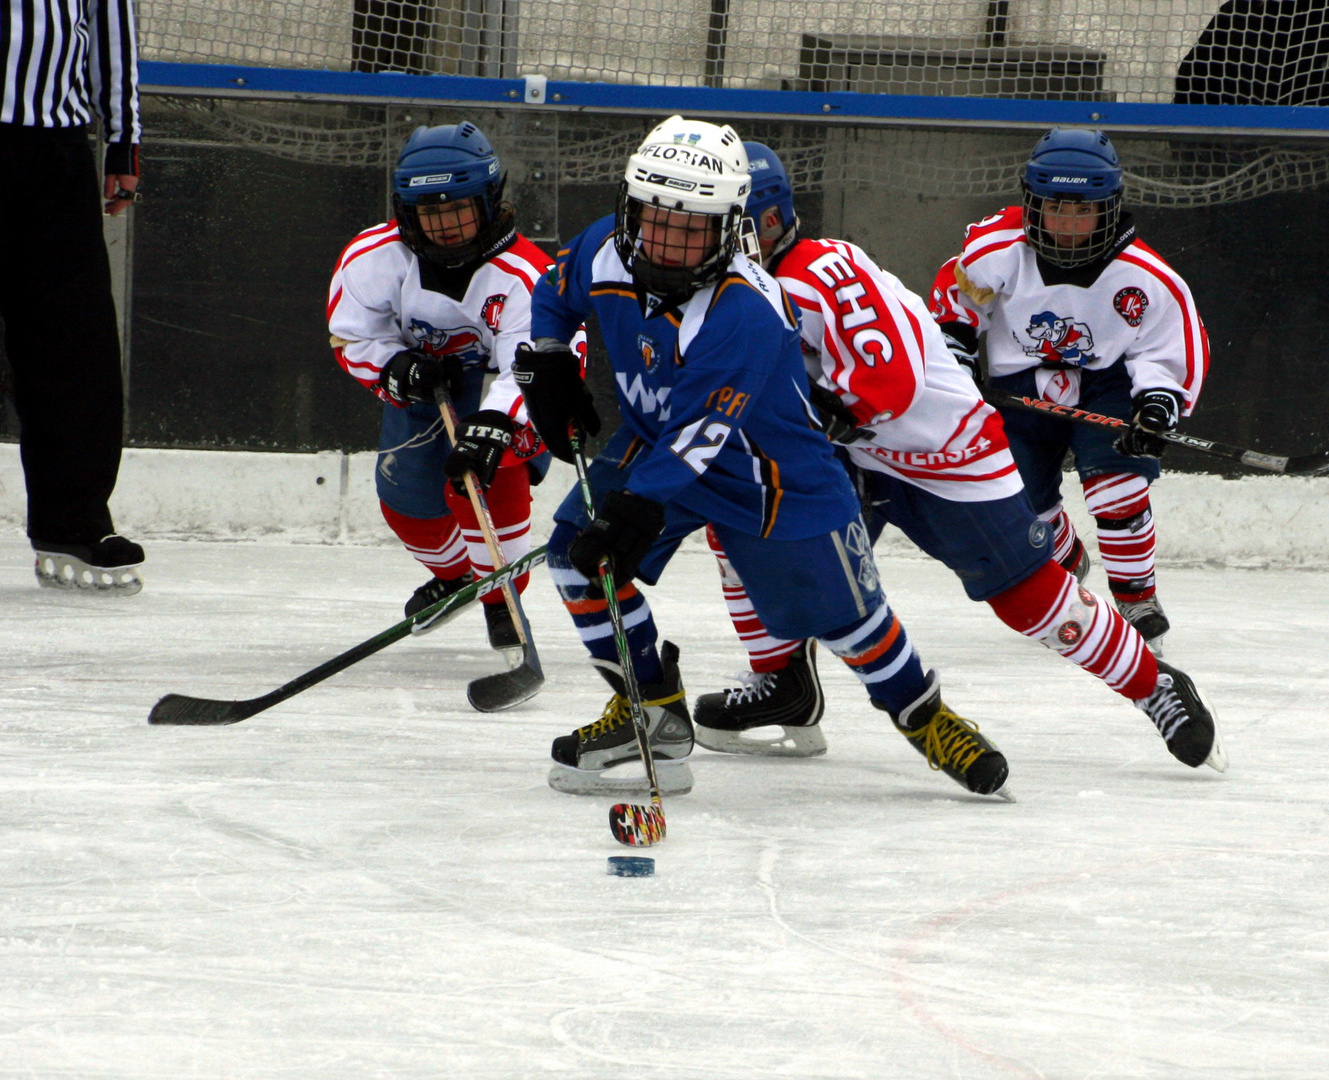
(551, 383)
(1155, 411)
(481, 440)
(413, 376)
(624, 529)
(839, 423)
(962, 340)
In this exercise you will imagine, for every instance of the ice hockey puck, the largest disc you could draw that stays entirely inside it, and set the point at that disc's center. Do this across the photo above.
(631, 866)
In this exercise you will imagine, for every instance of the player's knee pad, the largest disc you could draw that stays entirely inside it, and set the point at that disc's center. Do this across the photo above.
(1116, 496)
(1050, 607)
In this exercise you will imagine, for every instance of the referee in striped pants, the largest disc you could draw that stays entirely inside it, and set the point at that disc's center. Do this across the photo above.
(61, 61)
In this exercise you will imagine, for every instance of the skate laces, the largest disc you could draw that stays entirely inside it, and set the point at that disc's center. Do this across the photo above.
(948, 739)
(1165, 707)
(618, 711)
(757, 685)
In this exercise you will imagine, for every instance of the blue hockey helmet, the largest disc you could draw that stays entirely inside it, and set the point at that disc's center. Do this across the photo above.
(1073, 165)
(770, 225)
(448, 164)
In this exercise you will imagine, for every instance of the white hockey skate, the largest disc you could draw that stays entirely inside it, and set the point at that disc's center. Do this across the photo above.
(109, 566)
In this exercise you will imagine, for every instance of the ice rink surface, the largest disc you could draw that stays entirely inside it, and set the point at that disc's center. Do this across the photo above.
(372, 880)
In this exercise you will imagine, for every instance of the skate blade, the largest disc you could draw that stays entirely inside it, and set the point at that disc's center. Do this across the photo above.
(627, 779)
(1005, 794)
(1155, 645)
(793, 741)
(1217, 759)
(56, 571)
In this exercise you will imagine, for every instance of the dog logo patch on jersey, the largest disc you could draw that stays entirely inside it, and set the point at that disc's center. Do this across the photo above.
(1130, 303)
(1059, 341)
(462, 342)
(492, 311)
(648, 349)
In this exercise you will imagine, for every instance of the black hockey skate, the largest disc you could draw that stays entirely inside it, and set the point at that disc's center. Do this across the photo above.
(953, 744)
(500, 627)
(789, 699)
(434, 590)
(108, 566)
(603, 759)
(1184, 720)
(1148, 619)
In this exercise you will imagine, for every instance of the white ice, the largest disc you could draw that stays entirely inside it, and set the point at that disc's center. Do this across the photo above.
(371, 880)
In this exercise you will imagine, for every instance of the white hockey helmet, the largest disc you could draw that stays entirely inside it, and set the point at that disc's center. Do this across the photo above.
(689, 167)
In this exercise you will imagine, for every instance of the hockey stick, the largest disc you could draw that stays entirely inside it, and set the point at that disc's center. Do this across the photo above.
(631, 824)
(1315, 464)
(491, 693)
(177, 709)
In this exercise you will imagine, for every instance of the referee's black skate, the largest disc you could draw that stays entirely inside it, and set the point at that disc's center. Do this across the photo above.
(434, 590)
(108, 566)
(790, 699)
(603, 759)
(1184, 720)
(953, 744)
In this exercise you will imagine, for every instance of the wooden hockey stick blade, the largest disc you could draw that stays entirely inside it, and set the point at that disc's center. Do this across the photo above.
(181, 710)
(634, 825)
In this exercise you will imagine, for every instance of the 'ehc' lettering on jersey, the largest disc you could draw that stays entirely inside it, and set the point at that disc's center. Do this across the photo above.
(836, 272)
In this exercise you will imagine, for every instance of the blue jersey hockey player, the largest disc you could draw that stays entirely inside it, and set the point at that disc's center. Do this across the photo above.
(717, 429)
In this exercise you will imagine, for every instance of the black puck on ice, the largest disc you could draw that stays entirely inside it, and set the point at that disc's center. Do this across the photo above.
(631, 866)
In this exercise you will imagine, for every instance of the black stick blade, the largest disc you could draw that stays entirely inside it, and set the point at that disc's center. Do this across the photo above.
(1316, 464)
(178, 709)
(494, 693)
(634, 825)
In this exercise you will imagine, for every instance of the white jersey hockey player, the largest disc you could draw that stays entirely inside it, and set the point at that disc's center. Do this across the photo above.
(929, 455)
(1077, 310)
(441, 296)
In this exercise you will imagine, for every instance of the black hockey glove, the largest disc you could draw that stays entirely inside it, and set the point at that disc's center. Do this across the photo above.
(624, 529)
(413, 376)
(962, 340)
(481, 440)
(551, 383)
(839, 423)
(1155, 411)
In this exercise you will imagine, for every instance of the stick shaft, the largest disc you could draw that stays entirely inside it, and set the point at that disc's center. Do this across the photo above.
(621, 645)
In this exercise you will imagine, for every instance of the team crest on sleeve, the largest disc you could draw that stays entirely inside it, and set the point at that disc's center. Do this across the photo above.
(1059, 341)
(1130, 304)
(492, 311)
(462, 342)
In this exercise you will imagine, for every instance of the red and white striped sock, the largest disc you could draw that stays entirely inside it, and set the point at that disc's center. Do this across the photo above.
(509, 502)
(1065, 541)
(1050, 607)
(765, 653)
(436, 542)
(1126, 545)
